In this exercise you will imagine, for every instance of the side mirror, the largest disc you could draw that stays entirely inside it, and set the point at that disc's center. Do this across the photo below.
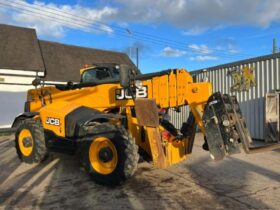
(124, 75)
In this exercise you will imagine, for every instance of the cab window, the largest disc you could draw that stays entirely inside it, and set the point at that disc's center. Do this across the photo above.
(116, 73)
(93, 75)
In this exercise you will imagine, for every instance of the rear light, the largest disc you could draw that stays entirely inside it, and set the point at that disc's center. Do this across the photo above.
(166, 136)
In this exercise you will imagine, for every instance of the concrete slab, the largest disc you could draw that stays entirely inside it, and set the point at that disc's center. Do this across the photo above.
(239, 182)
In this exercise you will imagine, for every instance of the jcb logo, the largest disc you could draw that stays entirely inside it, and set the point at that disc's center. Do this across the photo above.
(53, 121)
(122, 94)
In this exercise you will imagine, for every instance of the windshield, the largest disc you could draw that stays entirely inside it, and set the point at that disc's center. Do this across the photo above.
(99, 74)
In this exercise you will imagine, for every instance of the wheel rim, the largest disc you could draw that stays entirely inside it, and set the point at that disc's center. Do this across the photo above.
(103, 155)
(25, 142)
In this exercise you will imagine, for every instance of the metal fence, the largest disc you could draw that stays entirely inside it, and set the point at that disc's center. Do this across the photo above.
(266, 73)
(177, 117)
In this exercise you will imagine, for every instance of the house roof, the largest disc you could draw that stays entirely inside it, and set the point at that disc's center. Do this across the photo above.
(63, 62)
(21, 50)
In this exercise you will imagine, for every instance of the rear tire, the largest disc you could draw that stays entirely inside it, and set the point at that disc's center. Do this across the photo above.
(30, 141)
(120, 164)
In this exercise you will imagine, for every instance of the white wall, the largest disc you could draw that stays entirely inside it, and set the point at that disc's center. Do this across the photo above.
(13, 97)
(12, 104)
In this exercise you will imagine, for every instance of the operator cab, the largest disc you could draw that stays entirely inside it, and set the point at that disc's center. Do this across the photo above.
(99, 73)
(96, 75)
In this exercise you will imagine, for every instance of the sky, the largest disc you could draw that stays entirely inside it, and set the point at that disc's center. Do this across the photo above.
(191, 34)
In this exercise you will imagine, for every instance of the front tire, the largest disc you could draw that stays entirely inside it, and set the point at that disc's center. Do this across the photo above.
(30, 141)
(111, 156)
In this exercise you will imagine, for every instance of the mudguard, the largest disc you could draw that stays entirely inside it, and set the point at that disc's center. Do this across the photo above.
(76, 120)
(23, 116)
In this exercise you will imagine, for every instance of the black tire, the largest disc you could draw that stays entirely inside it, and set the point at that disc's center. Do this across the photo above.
(39, 148)
(127, 154)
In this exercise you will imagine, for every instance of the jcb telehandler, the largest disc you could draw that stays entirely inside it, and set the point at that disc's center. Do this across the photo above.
(114, 114)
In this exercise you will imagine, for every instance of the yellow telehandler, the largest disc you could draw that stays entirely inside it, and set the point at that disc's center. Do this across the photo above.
(114, 114)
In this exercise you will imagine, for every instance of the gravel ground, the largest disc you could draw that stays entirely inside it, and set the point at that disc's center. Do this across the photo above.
(239, 182)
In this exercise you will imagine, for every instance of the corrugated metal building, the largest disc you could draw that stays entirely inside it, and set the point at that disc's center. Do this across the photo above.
(266, 73)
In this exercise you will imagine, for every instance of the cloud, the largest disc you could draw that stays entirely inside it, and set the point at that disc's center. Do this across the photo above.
(203, 58)
(195, 14)
(200, 49)
(194, 31)
(228, 45)
(106, 28)
(51, 20)
(232, 49)
(170, 52)
(192, 16)
(123, 24)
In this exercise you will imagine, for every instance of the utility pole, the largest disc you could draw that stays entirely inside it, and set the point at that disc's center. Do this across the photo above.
(137, 57)
(274, 49)
(130, 40)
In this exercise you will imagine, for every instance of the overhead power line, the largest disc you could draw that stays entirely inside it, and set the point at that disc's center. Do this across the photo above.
(83, 23)
(135, 32)
(116, 27)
